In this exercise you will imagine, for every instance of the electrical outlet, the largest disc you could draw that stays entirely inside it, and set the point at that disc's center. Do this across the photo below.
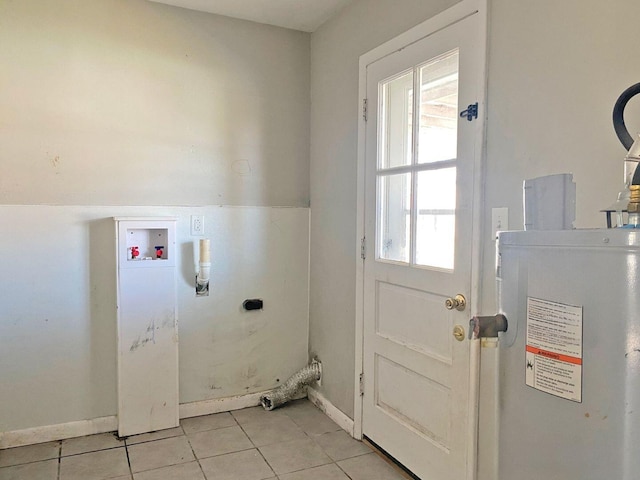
(499, 220)
(197, 225)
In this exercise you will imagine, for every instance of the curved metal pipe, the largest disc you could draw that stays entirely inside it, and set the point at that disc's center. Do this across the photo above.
(285, 392)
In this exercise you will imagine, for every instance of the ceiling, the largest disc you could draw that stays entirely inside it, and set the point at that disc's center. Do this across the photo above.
(304, 15)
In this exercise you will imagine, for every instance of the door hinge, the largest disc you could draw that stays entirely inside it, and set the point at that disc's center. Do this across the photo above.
(363, 248)
(364, 109)
(471, 112)
(362, 384)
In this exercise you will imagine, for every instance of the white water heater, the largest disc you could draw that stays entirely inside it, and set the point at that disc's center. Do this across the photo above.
(569, 384)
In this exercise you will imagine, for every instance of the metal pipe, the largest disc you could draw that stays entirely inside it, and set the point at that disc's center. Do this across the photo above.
(285, 392)
(474, 408)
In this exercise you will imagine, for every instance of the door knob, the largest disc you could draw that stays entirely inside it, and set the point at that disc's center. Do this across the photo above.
(458, 302)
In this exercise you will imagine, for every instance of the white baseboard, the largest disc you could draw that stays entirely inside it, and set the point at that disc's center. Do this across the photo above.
(227, 404)
(49, 433)
(219, 405)
(333, 412)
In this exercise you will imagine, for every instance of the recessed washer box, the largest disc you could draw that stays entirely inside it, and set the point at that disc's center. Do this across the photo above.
(147, 324)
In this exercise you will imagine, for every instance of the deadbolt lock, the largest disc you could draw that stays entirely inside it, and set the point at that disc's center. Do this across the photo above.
(458, 302)
(458, 332)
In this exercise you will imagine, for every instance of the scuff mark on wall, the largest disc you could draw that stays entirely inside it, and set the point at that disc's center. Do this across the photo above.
(140, 342)
(151, 329)
(55, 163)
(250, 372)
(148, 336)
(135, 345)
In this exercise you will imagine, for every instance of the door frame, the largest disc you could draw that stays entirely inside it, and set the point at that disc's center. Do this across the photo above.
(440, 21)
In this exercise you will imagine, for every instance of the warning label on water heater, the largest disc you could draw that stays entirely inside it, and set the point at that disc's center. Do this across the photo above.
(554, 348)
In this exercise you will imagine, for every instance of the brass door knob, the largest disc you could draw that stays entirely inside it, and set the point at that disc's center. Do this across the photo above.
(458, 302)
(458, 332)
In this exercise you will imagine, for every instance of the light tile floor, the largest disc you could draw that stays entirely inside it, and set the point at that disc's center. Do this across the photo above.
(295, 442)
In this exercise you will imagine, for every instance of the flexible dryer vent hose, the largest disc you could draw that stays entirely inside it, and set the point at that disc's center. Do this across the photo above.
(286, 391)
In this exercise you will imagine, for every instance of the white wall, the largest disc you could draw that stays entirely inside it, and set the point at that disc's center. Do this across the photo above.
(58, 297)
(138, 103)
(127, 107)
(555, 71)
(335, 50)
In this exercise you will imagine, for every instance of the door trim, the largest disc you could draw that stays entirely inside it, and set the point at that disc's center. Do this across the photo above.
(442, 20)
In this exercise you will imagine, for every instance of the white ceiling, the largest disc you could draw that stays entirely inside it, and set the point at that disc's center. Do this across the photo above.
(305, 15)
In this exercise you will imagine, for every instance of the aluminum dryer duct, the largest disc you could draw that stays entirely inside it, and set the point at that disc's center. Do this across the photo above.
(286, 391)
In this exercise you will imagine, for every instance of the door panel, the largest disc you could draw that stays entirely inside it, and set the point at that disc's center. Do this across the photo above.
(419, 178)
(396, 386)
(418, 330)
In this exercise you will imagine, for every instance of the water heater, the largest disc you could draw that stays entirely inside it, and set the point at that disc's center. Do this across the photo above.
(569, 383)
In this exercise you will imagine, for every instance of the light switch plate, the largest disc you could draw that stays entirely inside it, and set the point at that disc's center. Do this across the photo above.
(499, 220)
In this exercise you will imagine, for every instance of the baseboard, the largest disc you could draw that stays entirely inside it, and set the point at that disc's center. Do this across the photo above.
(219, 405)
(50, 433)
(330, 410)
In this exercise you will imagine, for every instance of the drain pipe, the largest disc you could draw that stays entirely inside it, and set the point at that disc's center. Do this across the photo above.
(285, 392)
(203, 270)
(483, 331)
(474, 407)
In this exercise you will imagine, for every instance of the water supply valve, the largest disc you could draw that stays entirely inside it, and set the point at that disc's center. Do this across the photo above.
(487, 327)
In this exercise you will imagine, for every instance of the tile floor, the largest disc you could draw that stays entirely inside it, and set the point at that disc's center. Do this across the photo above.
(295, 442)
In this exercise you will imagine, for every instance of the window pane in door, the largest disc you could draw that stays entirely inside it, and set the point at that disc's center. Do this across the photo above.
(438, 109)
(436, 218)
(394, 217)
(396, 137)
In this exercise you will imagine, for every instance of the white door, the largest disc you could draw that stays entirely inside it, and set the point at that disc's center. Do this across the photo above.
(419, 179)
